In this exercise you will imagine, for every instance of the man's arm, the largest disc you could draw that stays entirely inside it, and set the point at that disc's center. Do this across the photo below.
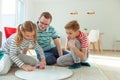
(66, 45)
(58, 45)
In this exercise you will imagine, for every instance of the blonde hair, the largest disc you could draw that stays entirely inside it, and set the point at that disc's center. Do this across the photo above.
(27, 26)
(74, 25)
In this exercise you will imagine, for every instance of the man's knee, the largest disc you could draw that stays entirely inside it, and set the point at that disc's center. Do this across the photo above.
(65, 52)
(51, 60)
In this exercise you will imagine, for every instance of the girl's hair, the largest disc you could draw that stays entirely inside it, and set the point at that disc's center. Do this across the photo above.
(27, 26)
(74, 25)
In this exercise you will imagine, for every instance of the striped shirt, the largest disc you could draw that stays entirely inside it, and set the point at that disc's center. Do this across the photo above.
(45, 38)
(13, 50)
(84, 41)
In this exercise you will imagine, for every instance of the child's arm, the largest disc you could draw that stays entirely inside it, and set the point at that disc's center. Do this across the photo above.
(13, 55)
(17, 61)
(40, 50)
(27, 67)
(43, 61)
(79, 52)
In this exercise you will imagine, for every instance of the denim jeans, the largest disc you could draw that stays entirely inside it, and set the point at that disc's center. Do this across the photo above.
(51, 55)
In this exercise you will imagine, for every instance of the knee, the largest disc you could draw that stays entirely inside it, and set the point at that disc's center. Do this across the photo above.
(78, 44)
(51, 60)
(3, 70)
(5, 64)
(30, 60)
(60, 61)
(65, 52)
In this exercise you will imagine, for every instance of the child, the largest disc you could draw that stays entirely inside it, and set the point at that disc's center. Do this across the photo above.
(77, 43)
(14, 46)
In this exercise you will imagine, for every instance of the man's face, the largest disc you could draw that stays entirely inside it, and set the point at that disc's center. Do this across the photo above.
(44, 23)
(71, 34)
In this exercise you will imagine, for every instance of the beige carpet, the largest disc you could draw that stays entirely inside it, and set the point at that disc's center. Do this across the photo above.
(84, 73)
(88, 73)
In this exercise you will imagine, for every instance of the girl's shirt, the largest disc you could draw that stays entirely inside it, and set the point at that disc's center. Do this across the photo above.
(13, 50)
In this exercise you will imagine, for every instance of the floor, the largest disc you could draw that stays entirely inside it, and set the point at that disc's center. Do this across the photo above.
(108, 62)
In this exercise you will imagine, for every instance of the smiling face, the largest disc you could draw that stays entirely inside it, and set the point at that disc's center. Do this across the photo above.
(72, 34)
(44, 23)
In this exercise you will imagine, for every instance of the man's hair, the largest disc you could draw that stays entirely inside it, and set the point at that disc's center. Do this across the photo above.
(47, 15)
(74, 25)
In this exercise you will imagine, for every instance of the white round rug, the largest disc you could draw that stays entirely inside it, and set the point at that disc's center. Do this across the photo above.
(49, 73)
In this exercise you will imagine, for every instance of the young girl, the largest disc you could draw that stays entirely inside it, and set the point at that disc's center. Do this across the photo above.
(14, 46)
(77, 43)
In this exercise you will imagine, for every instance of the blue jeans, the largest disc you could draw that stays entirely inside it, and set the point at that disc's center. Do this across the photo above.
(52, 55)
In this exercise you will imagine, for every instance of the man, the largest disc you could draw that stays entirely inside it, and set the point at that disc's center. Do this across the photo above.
(48, 39)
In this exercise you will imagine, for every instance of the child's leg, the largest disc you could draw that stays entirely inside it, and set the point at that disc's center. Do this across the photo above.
(83, 62)
(75, 57)
(65, 60)
(28, 59)
(5, 64)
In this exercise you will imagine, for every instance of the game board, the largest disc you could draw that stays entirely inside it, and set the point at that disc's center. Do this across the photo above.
(49, 73)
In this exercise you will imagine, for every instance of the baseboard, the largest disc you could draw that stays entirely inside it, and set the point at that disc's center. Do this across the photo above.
(108, 50)
(112, 50)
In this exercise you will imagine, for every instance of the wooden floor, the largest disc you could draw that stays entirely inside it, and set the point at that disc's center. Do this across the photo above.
(109, 63)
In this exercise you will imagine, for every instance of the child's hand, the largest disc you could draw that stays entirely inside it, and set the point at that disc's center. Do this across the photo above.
(42, 64)
(27, 67)
(71, 43)
(24, 51)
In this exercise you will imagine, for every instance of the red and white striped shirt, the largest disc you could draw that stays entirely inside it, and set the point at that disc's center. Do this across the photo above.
(82, 37)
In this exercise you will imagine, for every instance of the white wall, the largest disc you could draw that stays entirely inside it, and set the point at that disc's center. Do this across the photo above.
(106, 17)
(30, 9)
